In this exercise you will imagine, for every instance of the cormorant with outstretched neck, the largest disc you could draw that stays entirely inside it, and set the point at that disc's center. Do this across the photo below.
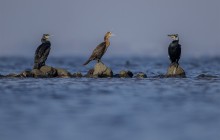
(100, 49)
(174, 49)
(42, 52)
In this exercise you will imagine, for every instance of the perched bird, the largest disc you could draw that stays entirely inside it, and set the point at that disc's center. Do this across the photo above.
(100, 50)
(42, 52)
(174, 49)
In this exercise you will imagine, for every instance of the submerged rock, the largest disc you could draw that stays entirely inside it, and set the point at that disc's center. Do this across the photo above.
(175, 70)
(77, 75)
(49, 71)
(12, 75)
(27, 73)
(101, 70)
(125, 74)
(140, 75)
(206, 76)
(63, 73)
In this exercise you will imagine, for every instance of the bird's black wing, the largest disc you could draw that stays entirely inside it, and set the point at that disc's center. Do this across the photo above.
(45, 55)
(179, 51)
(98, 51)
(42, 52)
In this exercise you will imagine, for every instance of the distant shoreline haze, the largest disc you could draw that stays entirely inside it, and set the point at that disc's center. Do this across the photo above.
(141, 27)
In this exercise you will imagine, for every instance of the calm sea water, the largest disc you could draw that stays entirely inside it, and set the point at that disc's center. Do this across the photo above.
(111, 109)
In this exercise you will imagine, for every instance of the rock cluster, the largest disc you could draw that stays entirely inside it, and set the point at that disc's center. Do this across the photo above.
(44, 72)
(140, 75)
(100, 71)
(125, 74)
(175, 70)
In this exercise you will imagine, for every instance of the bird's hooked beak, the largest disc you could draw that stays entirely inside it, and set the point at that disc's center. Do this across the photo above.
(170, 35)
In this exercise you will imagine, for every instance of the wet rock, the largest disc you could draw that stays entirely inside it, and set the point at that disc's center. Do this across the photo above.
(27, 73)
(63, 73)
(102, 71)
(89, 73)
(12, 75)
(49, 71)
(77, 75)
(140, 75)
(160, 76)
(206, 76)
(116, 76)
(175, 70)
(125, 74)
(38, 74)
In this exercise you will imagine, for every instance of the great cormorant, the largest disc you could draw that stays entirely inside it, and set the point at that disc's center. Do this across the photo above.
(42, 52)
(100, 50)
(174, 49)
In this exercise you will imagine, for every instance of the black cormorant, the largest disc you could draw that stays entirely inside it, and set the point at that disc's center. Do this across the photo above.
(100, 50)
(42, 52)
(174, 49)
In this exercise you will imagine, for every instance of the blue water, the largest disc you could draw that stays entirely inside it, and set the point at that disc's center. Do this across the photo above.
(112, 108)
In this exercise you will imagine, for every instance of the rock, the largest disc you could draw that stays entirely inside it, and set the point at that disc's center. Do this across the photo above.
(175, 70)
(27, 73)
(116, 76)
(63, 73)
(101, 70)
(125, 74)
(140, 75)
(206, 76)
(12, 75)
(38, 74)
(90, 73)
(160, 76)
(77, 75)
(49, 71)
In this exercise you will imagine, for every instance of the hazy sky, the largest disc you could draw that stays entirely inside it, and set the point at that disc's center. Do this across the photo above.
(141, 26)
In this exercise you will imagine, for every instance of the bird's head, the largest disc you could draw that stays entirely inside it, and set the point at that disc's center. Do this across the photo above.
(108, 35)
(174, 36)
(46, 36)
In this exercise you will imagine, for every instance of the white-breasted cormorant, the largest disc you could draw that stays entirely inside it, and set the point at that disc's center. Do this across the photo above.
(174, 49)
(100, 50)
(42, 52)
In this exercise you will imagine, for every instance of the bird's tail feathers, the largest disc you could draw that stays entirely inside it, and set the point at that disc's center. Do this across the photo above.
(87, 62)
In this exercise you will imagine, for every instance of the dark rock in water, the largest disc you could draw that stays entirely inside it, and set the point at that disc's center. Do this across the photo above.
(206, 76)
(140, 75)
(125, 74)
(90, 73)
(49, 71)
(116, 76)
(102, 71)
(63, 73)
(77, 75)
(175, 70)
(27, 73)
(12, 75)
(160, 76)
(38, 74)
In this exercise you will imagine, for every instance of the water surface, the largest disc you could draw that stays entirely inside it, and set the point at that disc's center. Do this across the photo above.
(111, 108)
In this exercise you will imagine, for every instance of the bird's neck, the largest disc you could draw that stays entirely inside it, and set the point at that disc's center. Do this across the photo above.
(176, 40)
(107, 42)
(43, 40)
